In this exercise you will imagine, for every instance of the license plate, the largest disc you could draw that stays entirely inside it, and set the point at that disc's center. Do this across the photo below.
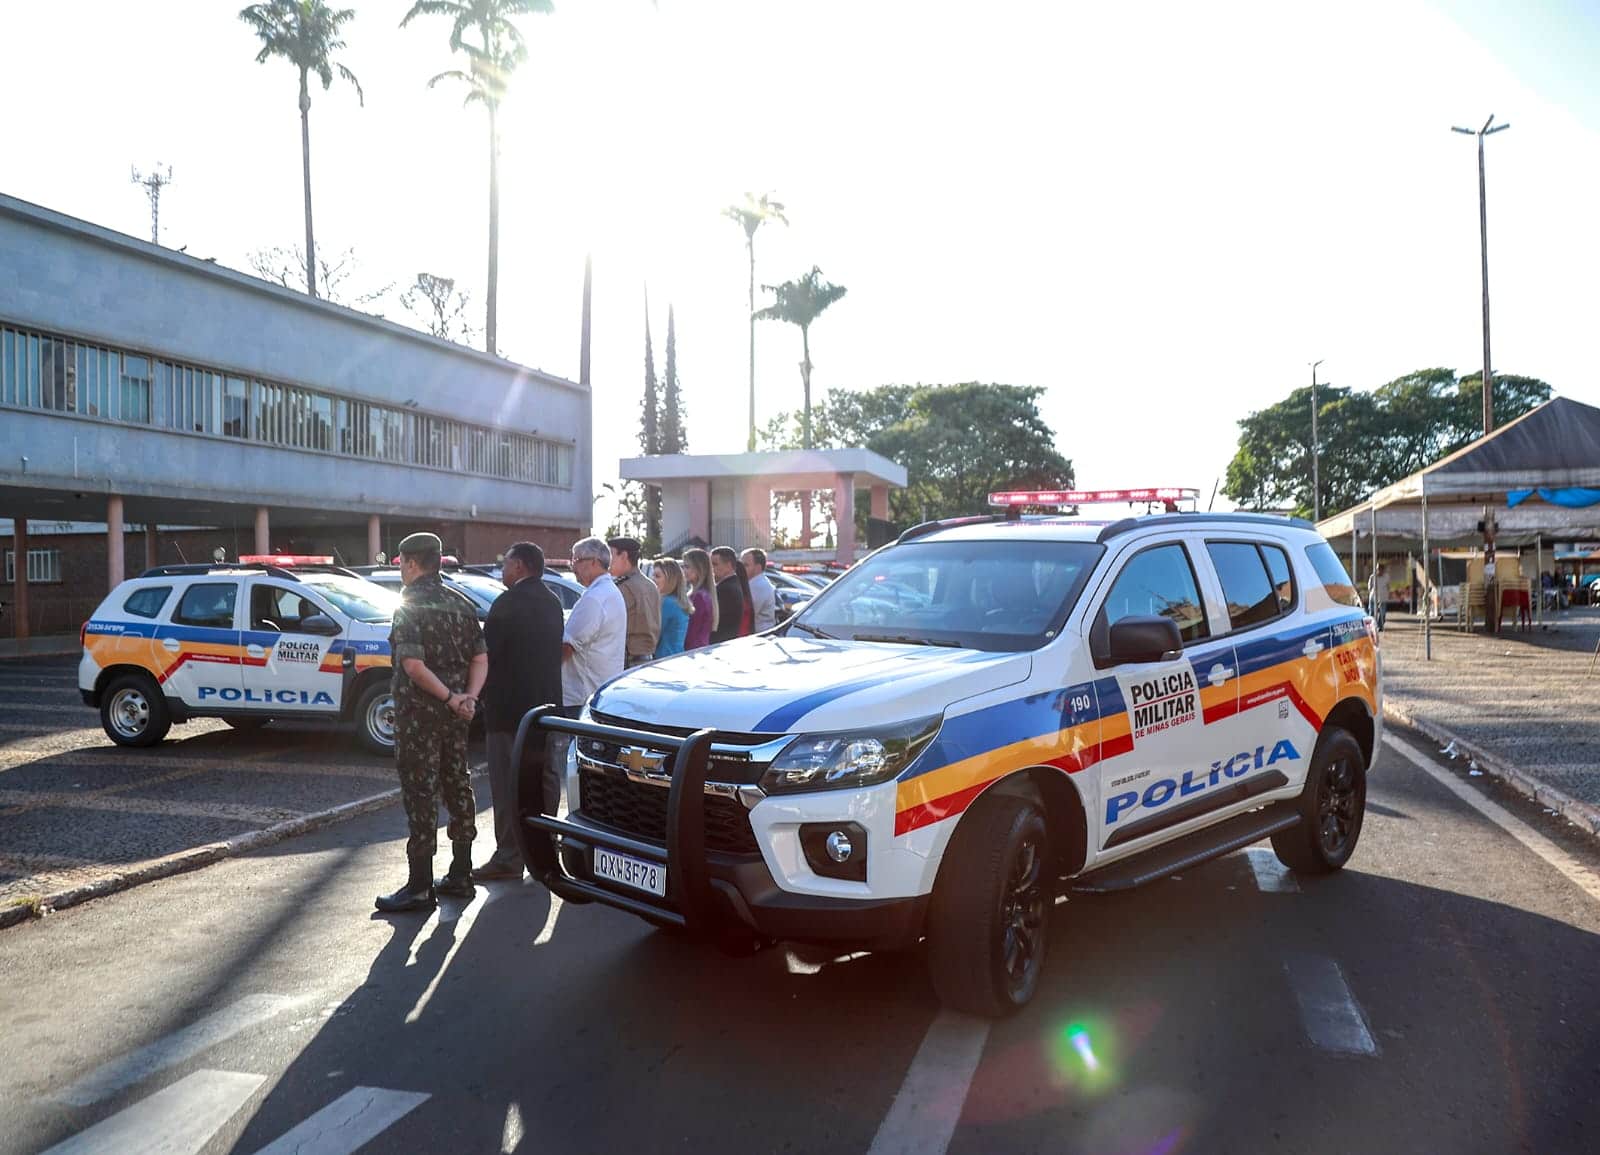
(650, 877)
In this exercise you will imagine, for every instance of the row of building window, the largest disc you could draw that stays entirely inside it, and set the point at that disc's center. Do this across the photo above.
(44, 565)
(40, 371)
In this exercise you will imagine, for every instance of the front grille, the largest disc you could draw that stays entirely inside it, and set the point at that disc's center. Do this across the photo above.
(639, 809)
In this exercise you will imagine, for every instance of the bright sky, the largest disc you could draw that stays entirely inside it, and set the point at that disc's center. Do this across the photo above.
(1160, 212)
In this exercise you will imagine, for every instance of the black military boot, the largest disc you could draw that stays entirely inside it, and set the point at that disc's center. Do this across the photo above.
(457, 881)
(416, 894)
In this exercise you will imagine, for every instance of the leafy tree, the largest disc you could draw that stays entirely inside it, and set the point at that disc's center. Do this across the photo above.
(959, 443)
(306, 34)
(673, 437)
(650, 432)
(491, 61)
(750, 216)
(440, 307)
(1369, 439)
(800, 302)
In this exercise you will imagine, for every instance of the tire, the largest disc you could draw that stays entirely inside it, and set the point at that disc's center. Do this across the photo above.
(1332, 808)
(374, 719)
(989, 922)
(247, 724)
(133, 711)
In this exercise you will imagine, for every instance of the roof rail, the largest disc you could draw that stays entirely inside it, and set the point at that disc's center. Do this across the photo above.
(928, 527)
(1128, 524)
(224, 567)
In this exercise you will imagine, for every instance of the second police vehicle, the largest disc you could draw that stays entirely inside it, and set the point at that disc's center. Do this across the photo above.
(983, 715)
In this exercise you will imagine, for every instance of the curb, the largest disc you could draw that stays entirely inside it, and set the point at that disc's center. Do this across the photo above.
(193, 858)
(1583, 815)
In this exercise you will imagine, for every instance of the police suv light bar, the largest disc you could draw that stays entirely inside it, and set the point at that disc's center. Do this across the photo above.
(1169, 495)
(283, 559)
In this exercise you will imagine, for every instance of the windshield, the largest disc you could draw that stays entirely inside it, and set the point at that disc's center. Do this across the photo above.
(982, 595)
(481, 588)
(356, 598)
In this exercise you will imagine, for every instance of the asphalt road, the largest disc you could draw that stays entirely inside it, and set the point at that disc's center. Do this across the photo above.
(1438, 995)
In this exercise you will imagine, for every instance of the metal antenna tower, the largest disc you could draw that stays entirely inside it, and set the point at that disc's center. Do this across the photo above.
(153, 184)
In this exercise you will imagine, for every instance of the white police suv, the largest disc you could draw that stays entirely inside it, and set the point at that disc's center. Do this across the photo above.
(269, 638)
(974, 719)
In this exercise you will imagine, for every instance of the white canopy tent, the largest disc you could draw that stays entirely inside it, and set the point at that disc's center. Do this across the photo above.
(1555, 446)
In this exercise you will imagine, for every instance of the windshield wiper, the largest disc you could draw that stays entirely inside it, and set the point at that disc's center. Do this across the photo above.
(905, 639)
(813, 631)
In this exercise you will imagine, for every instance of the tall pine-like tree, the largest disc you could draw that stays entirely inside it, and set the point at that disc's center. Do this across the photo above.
(674, 439)
(650, 431)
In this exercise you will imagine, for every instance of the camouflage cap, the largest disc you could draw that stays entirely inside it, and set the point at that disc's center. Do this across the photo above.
(422, 545)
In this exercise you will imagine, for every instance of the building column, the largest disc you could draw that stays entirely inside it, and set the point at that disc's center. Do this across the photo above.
(700, 510)
(758, 508)
(263, 538)
(374, 538)
(19, 551)
(880, 502)
(152, 548)
(805, 518)
(844, 513)
(116, 558)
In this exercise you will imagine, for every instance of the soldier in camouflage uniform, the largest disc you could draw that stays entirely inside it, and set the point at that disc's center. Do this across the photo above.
(439, 667)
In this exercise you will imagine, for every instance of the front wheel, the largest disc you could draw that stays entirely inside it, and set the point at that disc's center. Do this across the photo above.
(375, 719)
(133, 712)
(989, 923)
(1332, 808)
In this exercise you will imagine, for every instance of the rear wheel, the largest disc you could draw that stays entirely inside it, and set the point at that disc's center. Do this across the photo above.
(133, 711)
(989, 924)
(1332, 807)
(375, 719)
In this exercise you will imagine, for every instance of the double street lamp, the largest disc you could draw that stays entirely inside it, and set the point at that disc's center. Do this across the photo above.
(1483, 242)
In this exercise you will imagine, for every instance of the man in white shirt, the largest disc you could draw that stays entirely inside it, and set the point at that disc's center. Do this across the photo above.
(763, 598)
(593, 645)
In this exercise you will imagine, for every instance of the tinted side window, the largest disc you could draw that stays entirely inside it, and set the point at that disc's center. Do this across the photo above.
(567, 598)
(276, 606)
(1159, 581)
(209, 604)
(1282, 575)
(147, 603)
(1330, 571)
(1250, 596)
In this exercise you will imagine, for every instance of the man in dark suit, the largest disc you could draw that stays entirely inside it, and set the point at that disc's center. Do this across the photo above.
(731, 594)
(523, 635)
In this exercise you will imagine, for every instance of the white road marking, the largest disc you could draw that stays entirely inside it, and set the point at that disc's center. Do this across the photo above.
(176, 1120)
(511, 1133)
(176, 1047)
(1271, 876)
(1330, 1013)
(1566, 864)
(549, 922)
(928, 1105)
(344, 1125)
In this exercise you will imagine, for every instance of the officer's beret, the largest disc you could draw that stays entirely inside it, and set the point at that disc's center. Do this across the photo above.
(422, 544)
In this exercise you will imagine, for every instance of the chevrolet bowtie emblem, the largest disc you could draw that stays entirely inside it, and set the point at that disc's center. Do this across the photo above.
(640, 761)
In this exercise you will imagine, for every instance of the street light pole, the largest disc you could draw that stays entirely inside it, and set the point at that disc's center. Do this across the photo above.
(1316, 481)
(1483, 247)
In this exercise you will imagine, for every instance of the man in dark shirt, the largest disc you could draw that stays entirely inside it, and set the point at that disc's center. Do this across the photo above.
(523, 634)
(439, 667)
(730, 594)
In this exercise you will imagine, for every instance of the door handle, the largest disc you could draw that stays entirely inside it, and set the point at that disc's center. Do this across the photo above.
(170, 645)
(1312, 648)
(1220, 674)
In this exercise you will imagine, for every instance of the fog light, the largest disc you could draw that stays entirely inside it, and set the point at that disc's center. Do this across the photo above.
(835, 849)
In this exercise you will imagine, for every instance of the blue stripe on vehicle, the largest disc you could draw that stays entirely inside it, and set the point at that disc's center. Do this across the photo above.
(1020, 719)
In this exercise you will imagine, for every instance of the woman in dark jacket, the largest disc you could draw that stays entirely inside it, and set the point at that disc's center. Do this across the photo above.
(731, 596)
(703, 616)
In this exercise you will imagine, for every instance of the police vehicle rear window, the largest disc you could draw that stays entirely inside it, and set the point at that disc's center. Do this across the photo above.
(1330, 570)
(208, 604)
(147, 603)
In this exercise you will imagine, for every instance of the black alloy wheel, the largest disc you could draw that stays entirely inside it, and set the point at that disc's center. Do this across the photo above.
(1022, 913)
(1332, 806)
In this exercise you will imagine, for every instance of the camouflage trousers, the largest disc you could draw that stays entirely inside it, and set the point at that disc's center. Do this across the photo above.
(432, 758)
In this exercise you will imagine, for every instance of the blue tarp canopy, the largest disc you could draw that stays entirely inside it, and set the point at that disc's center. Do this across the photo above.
(1573, 497)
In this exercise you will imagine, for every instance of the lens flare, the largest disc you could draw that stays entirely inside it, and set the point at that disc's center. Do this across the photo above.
(1079, 1038)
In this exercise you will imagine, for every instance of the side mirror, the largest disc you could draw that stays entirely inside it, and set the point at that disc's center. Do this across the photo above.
(321, 625)
(1144, 639)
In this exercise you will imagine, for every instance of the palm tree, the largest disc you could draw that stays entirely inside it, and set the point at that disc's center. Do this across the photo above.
(751, 216)
(800, 302)
(490, 64)
(306, 34)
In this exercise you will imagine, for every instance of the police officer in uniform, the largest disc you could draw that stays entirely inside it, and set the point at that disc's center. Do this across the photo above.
(439, 667)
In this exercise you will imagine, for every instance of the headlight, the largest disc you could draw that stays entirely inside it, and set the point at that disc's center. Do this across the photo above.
(853, 758)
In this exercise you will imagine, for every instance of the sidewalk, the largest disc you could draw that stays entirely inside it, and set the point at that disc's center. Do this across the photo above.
(51, 645)
(1521, 704)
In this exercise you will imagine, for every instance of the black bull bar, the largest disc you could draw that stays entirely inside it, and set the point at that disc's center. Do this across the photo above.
(691, 898)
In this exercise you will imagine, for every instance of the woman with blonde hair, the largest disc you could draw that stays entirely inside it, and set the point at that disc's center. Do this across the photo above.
(702, 602)
(675, 606)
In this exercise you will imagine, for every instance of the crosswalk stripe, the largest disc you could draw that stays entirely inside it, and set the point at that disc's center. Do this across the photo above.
(183, 1044)
(1272, 876)
(177, 1120)
(1330, 1013)
(354, 1118)
(928, 1105)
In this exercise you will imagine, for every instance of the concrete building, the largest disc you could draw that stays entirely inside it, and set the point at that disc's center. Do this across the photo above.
(140, 387)
(726, 499)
